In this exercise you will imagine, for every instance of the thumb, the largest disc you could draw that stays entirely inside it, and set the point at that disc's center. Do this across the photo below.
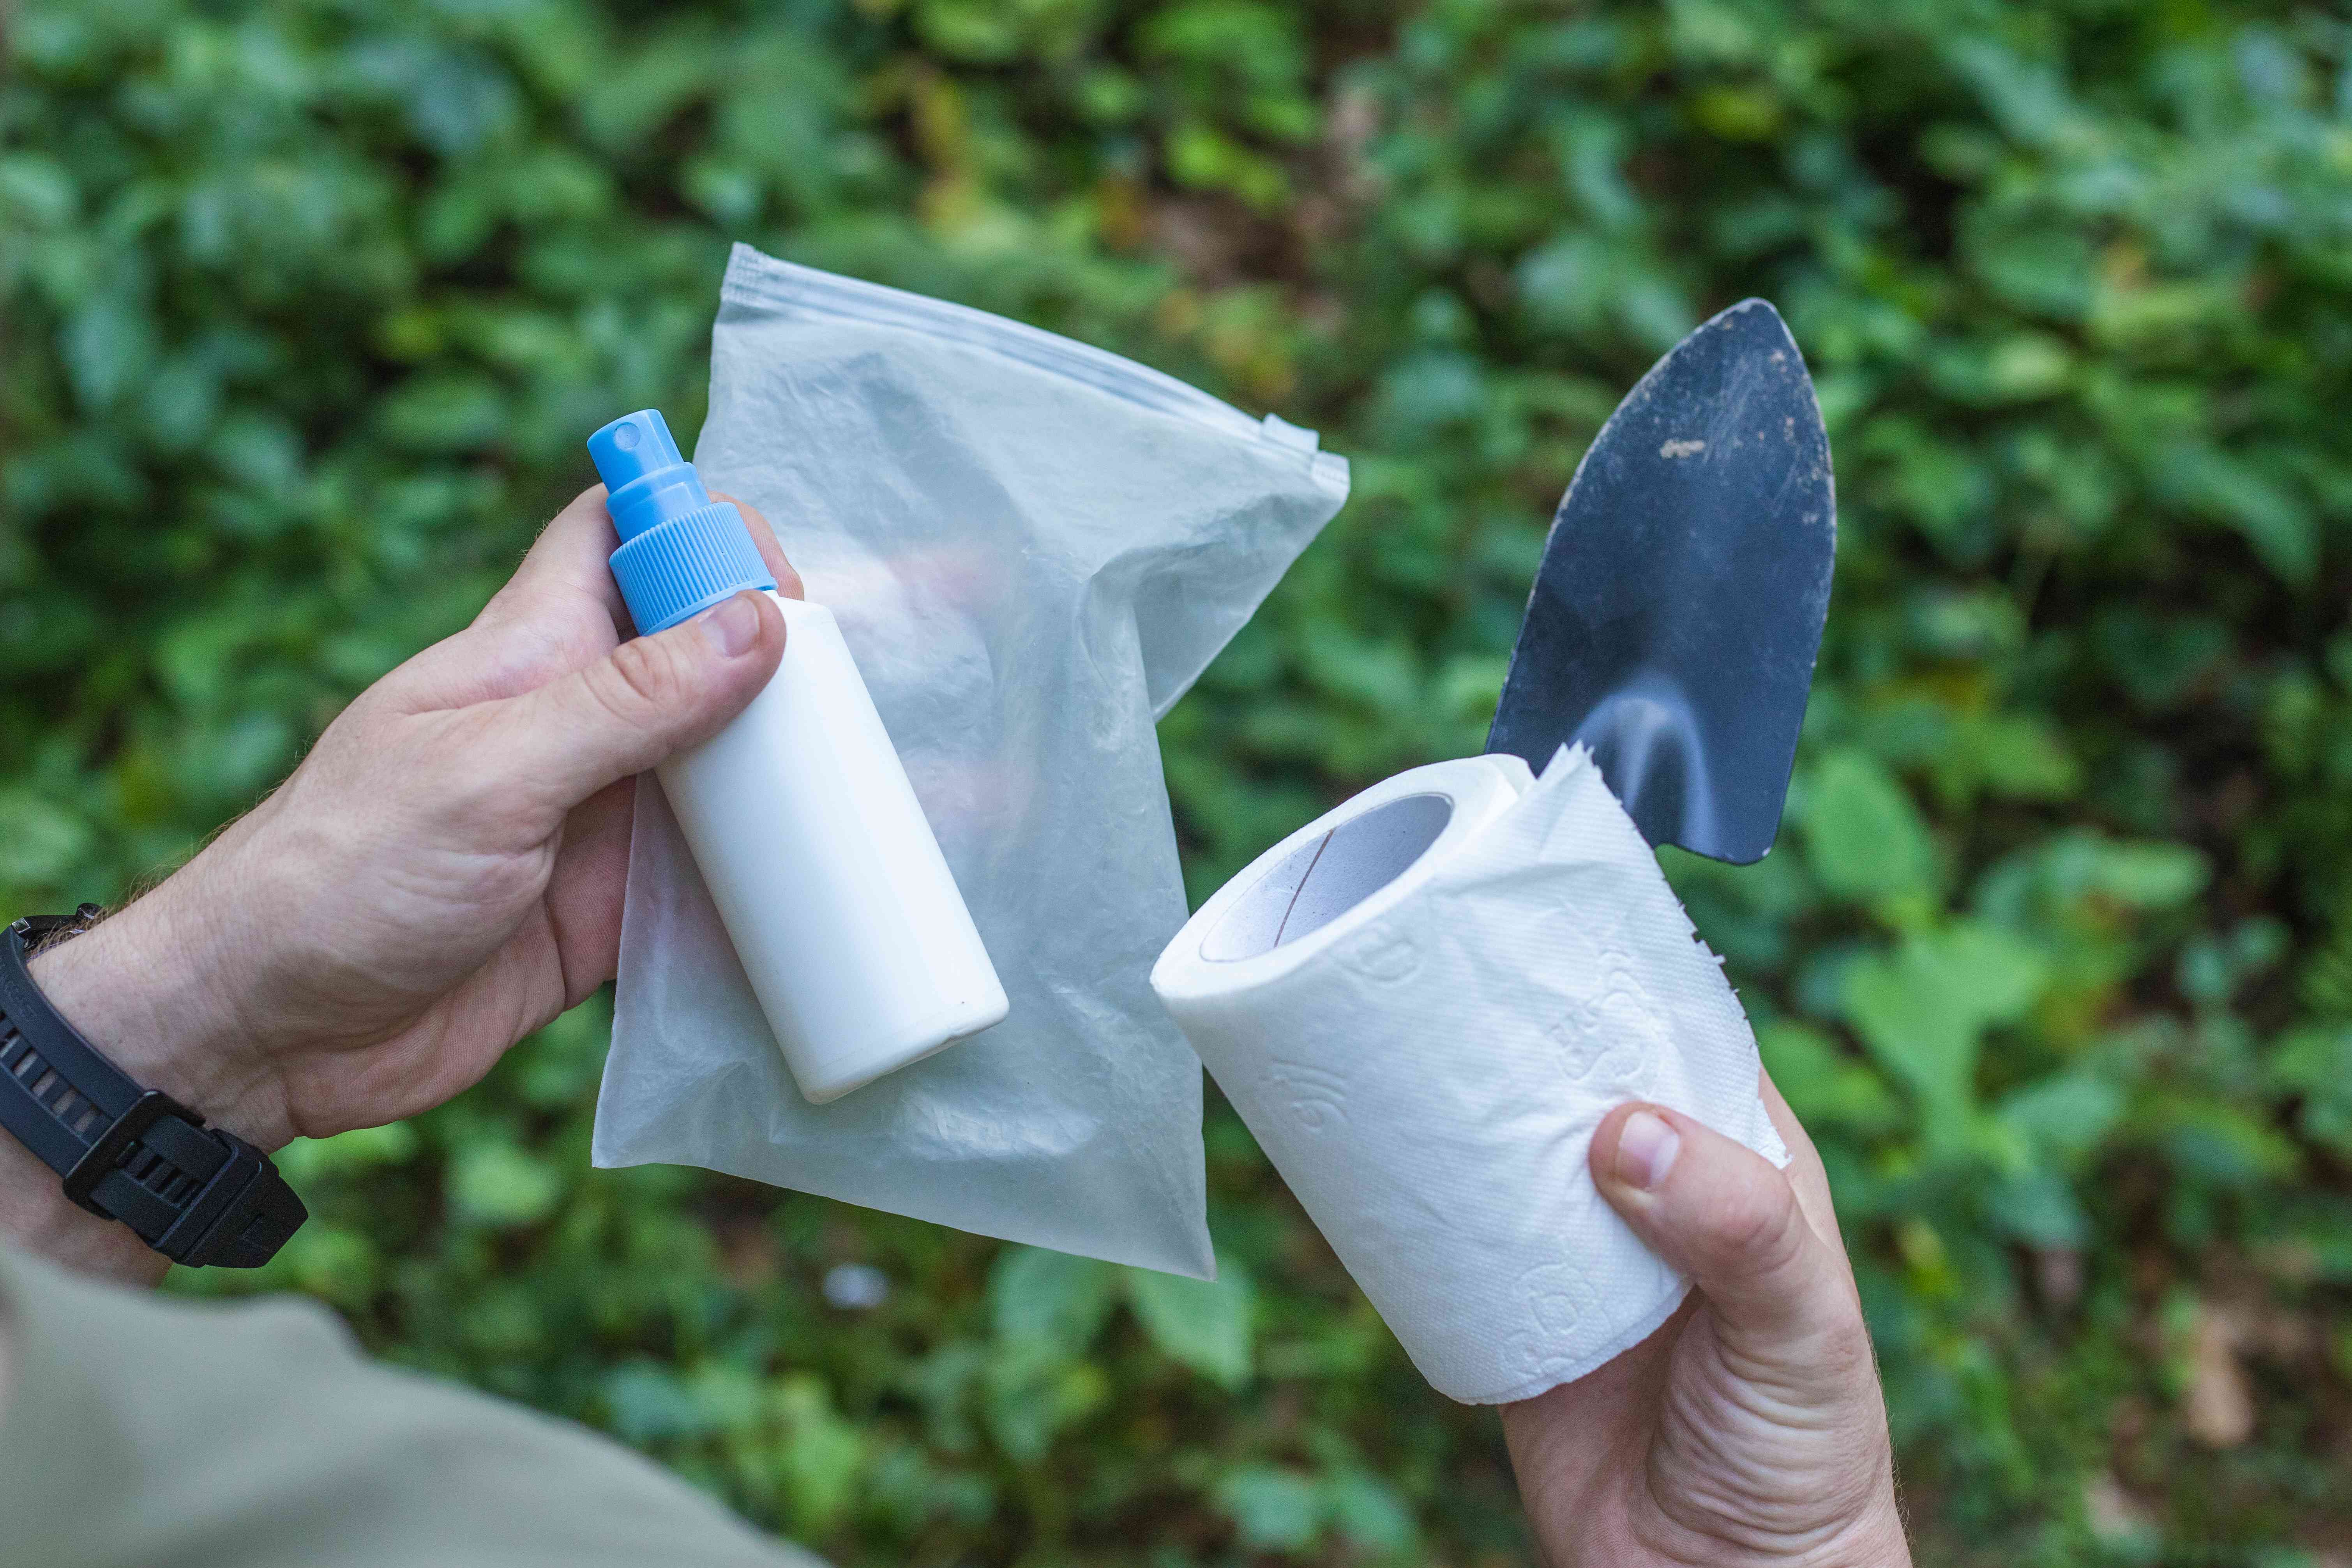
(649, 698)
(1723, 1214)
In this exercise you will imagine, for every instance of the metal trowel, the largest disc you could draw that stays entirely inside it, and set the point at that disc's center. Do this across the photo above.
(1678, 608)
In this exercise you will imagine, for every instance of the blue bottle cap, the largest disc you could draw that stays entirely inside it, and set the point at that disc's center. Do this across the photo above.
(681, 552)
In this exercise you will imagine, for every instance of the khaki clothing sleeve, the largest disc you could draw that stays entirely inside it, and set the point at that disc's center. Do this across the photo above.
(137, 1431)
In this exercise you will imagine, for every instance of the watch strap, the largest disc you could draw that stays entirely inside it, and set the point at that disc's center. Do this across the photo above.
(196, 1194)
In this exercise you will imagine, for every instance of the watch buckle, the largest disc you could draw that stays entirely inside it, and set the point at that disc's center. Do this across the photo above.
(102, 1156)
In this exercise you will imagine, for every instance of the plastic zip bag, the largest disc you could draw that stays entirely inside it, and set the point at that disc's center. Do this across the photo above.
(1032, 548)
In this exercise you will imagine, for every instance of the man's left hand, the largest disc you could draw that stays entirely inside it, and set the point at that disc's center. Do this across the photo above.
(440, 877)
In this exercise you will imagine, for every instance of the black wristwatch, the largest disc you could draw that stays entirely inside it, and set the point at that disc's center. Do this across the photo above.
(193, 1193)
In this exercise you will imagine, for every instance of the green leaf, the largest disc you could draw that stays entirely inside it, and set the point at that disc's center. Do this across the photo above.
(1823, 1084)
(1033, 1397)
(495, 1182)
(2150, 875)
(2159, 659)
(2218, 1145)
(1206, 1325)
(1863, 834)
(1272, 1510)
(1368, 1512)
(1048, 1300)
(2280, 529)
(648, 1400)
(2019, 757)
(2316, 1063)
(2039, 1208)
(39, 843)
(1923, 1010)
(2078, 880)
(822, 1457)
(2063, 1117)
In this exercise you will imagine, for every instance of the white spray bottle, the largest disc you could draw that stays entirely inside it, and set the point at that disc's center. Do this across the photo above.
(816, 852)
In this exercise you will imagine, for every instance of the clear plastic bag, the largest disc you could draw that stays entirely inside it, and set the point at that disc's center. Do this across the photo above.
(1032, 548)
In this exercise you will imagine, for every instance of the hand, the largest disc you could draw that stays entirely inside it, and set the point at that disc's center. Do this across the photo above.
(1749, 1429)
(441, 875)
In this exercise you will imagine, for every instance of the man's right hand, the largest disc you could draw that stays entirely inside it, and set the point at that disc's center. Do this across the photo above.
(1748, 1431)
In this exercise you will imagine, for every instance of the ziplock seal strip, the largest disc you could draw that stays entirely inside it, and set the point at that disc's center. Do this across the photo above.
(754, 278)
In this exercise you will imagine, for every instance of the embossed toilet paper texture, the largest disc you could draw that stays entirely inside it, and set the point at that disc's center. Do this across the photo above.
(1428, 1081)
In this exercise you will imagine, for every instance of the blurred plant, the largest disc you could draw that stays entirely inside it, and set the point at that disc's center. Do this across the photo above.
(308, 302)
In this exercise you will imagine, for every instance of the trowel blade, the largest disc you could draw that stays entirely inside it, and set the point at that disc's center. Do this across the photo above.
(1678, 608)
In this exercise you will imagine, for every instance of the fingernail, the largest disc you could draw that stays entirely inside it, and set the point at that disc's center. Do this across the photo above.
(733, 627)
(1647, 1148)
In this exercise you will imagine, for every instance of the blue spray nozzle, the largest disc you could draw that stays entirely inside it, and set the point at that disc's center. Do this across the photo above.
(681, 552)
(646, 480)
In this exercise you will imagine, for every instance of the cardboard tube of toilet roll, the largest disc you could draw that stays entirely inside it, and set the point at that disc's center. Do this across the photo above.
(1421, 1004)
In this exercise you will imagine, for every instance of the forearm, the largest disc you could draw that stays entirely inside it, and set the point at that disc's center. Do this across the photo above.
(141, 988)
(36, 1215)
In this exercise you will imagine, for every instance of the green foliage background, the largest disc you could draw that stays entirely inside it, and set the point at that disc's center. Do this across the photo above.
(308, 304)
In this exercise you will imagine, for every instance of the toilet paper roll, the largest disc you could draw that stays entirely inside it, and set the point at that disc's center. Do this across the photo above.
(1422, 1005)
